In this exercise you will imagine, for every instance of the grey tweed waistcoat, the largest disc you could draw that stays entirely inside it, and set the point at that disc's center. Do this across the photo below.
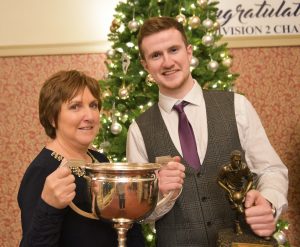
(202, 208)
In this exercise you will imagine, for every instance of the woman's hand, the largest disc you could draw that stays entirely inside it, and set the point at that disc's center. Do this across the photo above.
(59, 188)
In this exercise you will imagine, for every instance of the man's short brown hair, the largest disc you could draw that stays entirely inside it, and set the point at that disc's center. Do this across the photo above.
(58, 89)
(157, 24)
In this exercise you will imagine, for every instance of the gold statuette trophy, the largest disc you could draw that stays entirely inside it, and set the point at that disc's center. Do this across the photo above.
(122, 193)
(237, 179)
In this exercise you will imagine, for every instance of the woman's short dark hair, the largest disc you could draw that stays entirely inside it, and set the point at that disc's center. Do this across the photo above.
(157, 24)
(58, 89)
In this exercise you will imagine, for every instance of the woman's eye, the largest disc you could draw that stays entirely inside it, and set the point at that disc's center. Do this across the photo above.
(94, 105)
(74, 107)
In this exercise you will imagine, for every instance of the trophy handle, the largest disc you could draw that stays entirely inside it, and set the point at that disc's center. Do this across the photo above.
(78, 168)
(82, 212)
(165, 198)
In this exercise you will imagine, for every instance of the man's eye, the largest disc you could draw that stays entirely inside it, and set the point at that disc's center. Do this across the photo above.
(174, 49)
(155, 55)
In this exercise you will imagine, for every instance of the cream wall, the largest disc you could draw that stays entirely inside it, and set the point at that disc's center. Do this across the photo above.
(54, 26)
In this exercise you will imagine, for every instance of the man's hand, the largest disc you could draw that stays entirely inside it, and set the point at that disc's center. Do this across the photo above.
(59, 188)
(171, 176)
(259, 214)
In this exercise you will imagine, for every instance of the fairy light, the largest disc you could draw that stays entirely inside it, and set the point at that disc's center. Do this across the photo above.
(121, 28)
(119, 49)
(130, 44)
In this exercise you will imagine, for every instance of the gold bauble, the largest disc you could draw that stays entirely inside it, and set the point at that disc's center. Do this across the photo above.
(106, 93)
(227, 62)
(202, 3)
(216, 25)
(150, 80)
(194, 22)
(181, 19)
(123, 93)
(115, 24)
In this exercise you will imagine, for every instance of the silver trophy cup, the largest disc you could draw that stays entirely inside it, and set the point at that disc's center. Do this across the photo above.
(123, 193)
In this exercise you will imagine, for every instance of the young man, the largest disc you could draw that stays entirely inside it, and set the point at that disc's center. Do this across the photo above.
(221, 122)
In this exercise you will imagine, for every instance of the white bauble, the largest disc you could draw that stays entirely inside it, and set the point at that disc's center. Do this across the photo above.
(133, 25)
(208, 23)
(208, 40)
(213, 66)
(194, 62)
(110, 53)
(116, 128)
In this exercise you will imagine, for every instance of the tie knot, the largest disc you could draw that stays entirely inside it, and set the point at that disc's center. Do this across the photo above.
(179, 107)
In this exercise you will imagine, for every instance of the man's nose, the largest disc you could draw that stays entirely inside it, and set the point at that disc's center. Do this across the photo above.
(167, 61)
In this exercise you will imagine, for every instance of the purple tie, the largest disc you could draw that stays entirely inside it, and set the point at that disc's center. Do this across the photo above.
(187, 137)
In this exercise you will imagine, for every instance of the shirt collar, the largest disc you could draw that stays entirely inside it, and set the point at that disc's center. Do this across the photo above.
(194, 97)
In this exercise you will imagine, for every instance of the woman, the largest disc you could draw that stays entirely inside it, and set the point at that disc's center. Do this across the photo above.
(69, 106)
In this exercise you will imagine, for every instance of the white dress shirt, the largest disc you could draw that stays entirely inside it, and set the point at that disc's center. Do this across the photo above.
(259, 153)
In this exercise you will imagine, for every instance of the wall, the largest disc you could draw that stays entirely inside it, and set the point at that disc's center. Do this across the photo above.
(269, 77)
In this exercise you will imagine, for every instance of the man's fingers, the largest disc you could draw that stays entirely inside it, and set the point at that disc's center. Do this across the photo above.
(250, 198)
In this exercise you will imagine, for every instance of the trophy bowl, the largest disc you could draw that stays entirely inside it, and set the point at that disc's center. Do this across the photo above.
(122, 193)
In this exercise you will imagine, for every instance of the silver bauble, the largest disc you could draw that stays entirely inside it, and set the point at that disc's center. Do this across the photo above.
(227, 62)
(208, 23)
(202, 3)
(110, 53)
(133, 25)
(116, 128)
(181, 19)
(194, 22)
(213, 66)
(194, 62)
(280, 237)
(208, 40)
(123, 93)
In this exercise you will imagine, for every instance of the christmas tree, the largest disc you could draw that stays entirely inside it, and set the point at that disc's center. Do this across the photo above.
(128, 90)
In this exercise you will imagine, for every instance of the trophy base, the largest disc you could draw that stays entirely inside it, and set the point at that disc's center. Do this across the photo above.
(228, 238)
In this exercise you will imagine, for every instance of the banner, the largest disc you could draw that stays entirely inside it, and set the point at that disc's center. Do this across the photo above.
(260, 23)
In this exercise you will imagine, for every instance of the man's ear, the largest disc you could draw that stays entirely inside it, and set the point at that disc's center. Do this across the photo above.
(189, 50)
(144, 64)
